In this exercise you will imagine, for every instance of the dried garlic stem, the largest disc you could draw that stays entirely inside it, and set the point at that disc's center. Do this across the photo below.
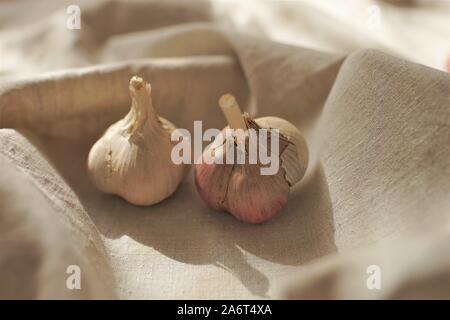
(232, 112)
(142, 105)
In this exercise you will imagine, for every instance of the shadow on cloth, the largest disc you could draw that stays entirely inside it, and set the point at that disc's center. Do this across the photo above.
(184, 229)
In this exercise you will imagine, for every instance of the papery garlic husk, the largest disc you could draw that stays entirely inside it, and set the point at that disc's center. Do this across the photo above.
(133, 157)
(241, 189)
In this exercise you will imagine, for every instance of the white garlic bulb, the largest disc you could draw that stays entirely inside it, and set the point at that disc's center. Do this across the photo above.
(133, 157)
(241, 189)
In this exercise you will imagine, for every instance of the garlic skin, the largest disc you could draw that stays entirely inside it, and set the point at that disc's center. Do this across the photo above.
(241, 189)
(296, 156)
(133, 157)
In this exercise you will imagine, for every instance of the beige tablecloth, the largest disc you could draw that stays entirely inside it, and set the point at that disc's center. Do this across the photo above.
(377, 126)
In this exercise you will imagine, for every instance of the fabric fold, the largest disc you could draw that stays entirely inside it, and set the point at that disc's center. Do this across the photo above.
(377, 129)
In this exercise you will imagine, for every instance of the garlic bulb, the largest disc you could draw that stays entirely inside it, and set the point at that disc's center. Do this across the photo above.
(241, 188)
(133, 157)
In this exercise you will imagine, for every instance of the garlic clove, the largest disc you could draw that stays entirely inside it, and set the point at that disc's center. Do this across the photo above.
(241, 189)
(133, 157)
(212, 183)
(255, 198)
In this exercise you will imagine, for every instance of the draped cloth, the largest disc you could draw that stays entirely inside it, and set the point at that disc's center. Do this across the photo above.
(376, 192)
